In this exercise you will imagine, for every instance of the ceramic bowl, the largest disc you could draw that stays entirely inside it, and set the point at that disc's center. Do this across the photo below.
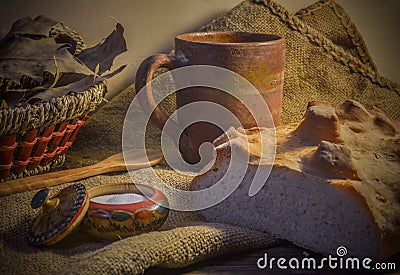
(113, 221)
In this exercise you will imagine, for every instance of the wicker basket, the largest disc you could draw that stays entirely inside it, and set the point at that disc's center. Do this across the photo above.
(35, 138)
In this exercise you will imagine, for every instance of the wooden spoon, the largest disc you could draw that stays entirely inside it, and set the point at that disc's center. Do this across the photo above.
(110, 164)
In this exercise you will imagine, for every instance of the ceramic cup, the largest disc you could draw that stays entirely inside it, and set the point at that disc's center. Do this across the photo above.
(113, 221)
(257, 57)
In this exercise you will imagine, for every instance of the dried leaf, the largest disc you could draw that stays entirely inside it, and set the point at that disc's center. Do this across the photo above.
(28, 55)
(25, 56)
(105, 52)
(117, 71)
(46, 85)
(68, 78)
(33, 28)
(27, 48)
(78, 86)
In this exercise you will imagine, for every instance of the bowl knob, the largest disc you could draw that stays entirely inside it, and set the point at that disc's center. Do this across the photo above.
(42, 198)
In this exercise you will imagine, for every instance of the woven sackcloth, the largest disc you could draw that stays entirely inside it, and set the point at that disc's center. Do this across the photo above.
(326, 59)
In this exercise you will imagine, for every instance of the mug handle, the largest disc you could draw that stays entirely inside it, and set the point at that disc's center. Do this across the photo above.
(144, 76)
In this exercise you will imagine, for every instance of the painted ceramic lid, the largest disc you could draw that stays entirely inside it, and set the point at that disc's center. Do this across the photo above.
(58, 215)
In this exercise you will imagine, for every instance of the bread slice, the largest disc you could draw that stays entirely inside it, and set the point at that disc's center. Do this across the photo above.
(335, 181)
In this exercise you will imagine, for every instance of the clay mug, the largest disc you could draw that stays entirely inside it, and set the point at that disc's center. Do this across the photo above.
(257, 57)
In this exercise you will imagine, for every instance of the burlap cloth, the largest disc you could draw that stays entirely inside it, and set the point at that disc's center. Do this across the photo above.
(326, 59)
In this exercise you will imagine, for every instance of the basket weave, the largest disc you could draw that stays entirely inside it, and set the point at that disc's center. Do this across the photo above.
(35, 138)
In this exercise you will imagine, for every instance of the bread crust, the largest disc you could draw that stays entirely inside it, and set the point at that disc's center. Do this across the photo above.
(352, 148)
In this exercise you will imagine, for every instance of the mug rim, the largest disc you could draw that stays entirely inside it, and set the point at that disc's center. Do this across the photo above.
(269, 38)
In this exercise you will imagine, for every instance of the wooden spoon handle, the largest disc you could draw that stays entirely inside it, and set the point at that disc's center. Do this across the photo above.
(52, 179)
(64, 176)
